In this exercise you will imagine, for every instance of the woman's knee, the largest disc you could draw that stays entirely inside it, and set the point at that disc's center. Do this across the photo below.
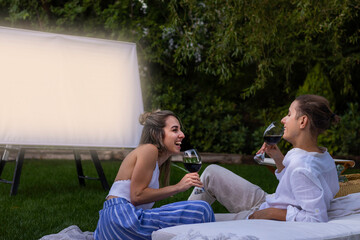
(212, 170)
(214, 173)
(205, 204)
(207, 210)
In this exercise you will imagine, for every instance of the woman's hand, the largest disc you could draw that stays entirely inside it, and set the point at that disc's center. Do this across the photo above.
(274, 152)
(270, 213)
(189, 180)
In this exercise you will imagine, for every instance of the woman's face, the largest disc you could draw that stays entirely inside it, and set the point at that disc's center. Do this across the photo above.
(173, 135)
(291, 123)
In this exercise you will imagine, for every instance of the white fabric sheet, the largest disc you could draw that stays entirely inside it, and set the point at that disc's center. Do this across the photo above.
(264, 229)
(72, 232)
(344, 224)
(62, 90)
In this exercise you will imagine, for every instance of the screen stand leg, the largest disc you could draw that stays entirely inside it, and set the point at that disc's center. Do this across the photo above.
(3, 160)
(99, 169)
(97, 164)
(79, 169)
(17, 172)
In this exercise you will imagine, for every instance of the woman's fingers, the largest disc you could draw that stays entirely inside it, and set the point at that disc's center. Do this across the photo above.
(194, 179)
(262, 149)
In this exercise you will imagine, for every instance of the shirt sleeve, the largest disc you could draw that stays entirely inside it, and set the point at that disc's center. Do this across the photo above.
(279, 174)
(309, 195)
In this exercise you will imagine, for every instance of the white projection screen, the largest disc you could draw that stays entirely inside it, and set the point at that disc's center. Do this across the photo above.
(61, 90)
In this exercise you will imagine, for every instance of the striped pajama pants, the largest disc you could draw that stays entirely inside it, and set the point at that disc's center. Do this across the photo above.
(119, 219)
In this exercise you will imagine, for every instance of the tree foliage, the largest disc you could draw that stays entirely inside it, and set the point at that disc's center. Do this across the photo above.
(274, 37)
(227, 67)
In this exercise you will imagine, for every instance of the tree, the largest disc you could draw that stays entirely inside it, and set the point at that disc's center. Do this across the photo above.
(227, 67)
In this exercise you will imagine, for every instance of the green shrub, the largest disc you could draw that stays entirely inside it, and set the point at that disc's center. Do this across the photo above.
(318, 83)
(210, 123)
(344, 138)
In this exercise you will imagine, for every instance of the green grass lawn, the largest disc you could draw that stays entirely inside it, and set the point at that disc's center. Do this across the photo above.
(50, 199)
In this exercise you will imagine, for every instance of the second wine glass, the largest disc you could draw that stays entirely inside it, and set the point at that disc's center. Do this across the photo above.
(192, 162)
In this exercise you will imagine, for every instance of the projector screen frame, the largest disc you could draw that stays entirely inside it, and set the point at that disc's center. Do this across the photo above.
(109, 121)
(22, 146)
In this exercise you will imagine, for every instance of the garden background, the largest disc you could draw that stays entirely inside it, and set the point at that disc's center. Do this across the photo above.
(227, 68)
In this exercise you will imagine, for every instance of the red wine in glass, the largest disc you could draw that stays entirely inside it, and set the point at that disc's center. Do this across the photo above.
(272, 136)
(192, 162)
(192, 167)
(272, 139)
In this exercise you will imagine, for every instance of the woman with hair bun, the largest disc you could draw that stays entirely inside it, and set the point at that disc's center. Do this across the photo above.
(127, 212)
(307, 174)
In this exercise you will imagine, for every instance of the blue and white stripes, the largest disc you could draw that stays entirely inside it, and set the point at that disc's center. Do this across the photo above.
(119, 219)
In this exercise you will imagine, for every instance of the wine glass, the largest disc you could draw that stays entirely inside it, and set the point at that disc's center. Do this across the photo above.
(272, 136)
(192, 162)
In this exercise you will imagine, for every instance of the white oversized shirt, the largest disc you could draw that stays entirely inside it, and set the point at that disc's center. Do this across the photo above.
(307, 184)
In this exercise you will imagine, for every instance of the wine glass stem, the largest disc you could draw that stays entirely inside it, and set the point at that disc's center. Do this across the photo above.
(259, 157)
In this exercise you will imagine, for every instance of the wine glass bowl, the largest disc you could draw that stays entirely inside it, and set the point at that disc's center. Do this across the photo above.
(192, 160)
(272, 135)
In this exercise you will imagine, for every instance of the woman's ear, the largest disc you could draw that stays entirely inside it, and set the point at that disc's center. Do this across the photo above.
(303, 121)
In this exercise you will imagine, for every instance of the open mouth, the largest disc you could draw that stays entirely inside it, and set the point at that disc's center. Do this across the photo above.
(177, 143)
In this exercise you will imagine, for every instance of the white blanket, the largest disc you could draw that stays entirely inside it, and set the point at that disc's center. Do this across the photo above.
(339, 215)
(344, 216)
(70, 233)
(344, 206)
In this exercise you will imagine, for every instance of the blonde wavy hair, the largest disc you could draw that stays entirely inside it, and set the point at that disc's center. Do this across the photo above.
(153, 133)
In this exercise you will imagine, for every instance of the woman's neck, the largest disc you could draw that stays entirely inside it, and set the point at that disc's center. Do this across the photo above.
(163, 157)
(307, 143)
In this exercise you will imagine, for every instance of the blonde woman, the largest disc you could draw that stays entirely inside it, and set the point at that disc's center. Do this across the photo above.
(127, 211)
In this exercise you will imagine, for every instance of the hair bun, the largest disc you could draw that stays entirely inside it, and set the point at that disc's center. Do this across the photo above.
(143, 117)
(335, 119)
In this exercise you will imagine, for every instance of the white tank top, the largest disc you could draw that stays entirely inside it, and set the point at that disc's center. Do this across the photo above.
(121, 188)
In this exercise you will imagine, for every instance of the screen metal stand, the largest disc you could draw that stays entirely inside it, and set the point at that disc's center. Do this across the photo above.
(97, 164)
(20, 160)
(17, 172)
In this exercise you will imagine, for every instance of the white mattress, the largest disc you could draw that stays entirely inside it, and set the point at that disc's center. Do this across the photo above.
(342, 228)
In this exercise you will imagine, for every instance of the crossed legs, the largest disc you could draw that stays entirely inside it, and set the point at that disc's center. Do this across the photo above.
(237, 195)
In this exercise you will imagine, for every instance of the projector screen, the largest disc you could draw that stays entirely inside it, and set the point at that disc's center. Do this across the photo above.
(61, 90)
